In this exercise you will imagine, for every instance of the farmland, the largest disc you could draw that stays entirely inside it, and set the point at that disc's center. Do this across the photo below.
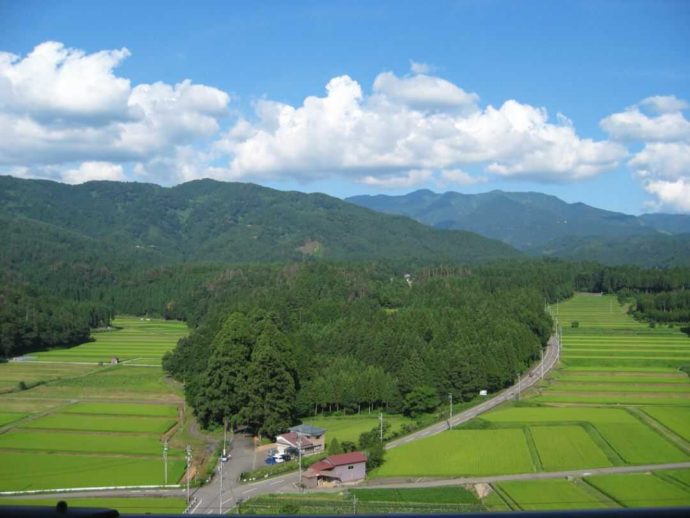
(87, 425)
(617, 398)
(162, 505)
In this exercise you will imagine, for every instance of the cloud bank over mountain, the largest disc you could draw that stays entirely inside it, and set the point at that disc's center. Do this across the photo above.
(66, 114)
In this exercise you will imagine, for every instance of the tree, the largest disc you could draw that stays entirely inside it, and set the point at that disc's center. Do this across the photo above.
(334, 447)
(420, 400)
(270, 389)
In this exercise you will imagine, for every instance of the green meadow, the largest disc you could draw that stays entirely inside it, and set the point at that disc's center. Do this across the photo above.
(89, 425)
(351, 427)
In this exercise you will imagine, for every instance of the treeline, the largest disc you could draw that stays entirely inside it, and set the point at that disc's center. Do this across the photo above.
(354, 337)
(30, 321)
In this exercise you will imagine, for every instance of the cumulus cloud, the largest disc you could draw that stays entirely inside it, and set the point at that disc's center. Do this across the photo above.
(60, 105)
(663, 163)
(89, 171)
(66, 113)
(409, 179)
(394, 130)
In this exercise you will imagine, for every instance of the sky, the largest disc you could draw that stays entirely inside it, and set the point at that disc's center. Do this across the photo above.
(586, 100)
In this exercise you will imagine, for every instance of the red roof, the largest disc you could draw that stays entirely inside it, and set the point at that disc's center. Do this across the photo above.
(342, 459)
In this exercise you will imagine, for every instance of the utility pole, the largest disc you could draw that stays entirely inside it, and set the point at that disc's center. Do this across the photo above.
(165, 461)
(188, 458)
(381, 426)
(299, 453)
(518, 384)
(450, 420)
(354, 504)
(220, 494)
(225, 435)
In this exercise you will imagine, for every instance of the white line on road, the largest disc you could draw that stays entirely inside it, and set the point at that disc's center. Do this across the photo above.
(196, 506)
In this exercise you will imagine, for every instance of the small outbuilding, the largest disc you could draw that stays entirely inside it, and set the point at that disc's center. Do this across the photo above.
(336, 470)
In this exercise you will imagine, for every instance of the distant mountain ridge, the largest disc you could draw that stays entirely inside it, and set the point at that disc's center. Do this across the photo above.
(211, 221)
(528, 221)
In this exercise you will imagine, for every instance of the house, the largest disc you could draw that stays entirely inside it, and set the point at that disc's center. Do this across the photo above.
(346, 468)
(307, 438)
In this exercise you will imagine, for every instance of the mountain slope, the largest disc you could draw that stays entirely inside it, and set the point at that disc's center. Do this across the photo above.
(207, 220)
(525, 220)
(668, 223)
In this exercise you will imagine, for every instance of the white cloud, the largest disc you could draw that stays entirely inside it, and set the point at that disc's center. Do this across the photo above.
(89, 171)
(409, 179)
(60, 105)
(459, 177)
(674, 195)
(424, 92)
(666, 123)
(387, 134)
(664, 104)
(663, 163)
(421, 68)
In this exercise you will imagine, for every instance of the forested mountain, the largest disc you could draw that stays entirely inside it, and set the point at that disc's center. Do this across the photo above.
(668, 223)
(656, 250)
(207, 220)
(526, 220)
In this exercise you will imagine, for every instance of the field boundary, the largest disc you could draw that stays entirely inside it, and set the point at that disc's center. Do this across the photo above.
(79, 489)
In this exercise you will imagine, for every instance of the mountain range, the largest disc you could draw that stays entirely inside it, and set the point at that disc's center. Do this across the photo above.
(541, 224)
(211, 221)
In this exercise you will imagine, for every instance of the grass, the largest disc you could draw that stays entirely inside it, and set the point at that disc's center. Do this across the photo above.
(675, 419)
(133, 409)
(543, 495)
(349, 428)
(681, 475)
(102, 423)
(151, 505)
(10, 417)
(529, 415)
(562, 448)
(460, 452)
(65, 441)
(27, 471)
(640, 490)
(12, 373)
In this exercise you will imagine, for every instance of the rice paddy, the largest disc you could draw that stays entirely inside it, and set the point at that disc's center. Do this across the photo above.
(641, 490)
(89, 425)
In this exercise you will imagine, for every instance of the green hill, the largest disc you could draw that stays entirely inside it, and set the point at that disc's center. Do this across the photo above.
(210, 221)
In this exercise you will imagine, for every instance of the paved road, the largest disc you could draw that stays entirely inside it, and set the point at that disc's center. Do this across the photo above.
(551, 354)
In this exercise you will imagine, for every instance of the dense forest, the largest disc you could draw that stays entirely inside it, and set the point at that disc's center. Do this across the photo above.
(319, 336)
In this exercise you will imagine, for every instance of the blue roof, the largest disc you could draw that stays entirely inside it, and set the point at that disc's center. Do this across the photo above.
(307, 429)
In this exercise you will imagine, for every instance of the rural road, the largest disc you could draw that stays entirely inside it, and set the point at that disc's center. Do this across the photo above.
(551, 353)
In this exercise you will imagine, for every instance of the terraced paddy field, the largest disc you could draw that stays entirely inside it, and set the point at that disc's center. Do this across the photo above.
(617, 398)
(88, 425)
(138, 341)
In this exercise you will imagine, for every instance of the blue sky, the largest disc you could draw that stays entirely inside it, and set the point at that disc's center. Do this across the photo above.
(389, 128)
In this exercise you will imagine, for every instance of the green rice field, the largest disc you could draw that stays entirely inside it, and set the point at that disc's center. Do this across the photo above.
(544, 495)
(143, 340)
(461, 452)
(160, 505)
(87, 425)
(567, 447)
(616, 398)
(640, 490)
